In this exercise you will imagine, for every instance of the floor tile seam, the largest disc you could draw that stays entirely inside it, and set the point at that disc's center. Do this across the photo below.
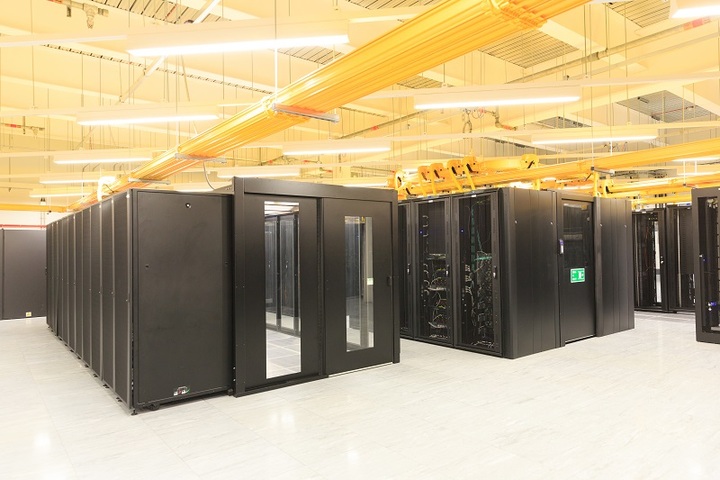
(59, 434)
(159, 436)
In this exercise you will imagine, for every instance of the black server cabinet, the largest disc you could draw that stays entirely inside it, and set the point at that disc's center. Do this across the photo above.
(434, 275)
(79, 285)
(182, 290)
(663, 259)
(477, 284)
(614, 272)
(649, 254)
(707, 278)
(145, 277)
(529, 271)
(122, 282)
(680, 261)
(87, 287)
(50, 277)
(96, 285)
(107, 302)
(23, 281)
(406, 255)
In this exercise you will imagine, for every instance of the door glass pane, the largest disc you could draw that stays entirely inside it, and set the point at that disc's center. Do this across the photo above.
(271, 270)
(656, 246)
(359, 283)
(647, 259)
(477, 322)
(282, 283)
(434, 320)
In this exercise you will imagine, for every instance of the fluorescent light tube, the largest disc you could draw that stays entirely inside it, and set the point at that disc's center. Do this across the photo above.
(136, 114)
(568, 136)
(332, 147)
(694, 8)
(537, 140)
(63, 181)
(56, 194)
(269, 171)
(80, 157)
(237, 36)
(505, 95)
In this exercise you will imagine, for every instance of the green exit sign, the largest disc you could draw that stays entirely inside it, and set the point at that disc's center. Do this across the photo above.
(577, 275)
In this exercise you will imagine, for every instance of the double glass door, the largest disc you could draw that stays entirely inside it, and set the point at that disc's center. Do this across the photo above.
(302, 253)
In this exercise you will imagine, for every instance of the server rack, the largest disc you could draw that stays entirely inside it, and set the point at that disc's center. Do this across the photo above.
(613, 261)
(662, 240)
(707, 246)
(405, 254)
(476, 247)
(434, 272)
(145, 277)
(680, 270)
(501, 290)
(649, 259)
(530, 295)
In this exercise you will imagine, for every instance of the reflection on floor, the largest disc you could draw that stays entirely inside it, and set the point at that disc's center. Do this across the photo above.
(359, 325)
(283, 353)
(641, 404)
(287, 322)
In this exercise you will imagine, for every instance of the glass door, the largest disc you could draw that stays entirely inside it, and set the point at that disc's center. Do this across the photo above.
(281, 313)
(649, 259)
(478, 286)
(434, 313)
(358, 269)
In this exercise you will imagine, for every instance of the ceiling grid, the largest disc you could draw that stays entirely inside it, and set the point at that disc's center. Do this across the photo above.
(644, 13)
(528, 49)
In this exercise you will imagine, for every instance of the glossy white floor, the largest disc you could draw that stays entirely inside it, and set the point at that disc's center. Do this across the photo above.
(641, 404)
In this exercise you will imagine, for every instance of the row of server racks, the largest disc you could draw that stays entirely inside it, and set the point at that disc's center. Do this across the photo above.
(139, 288)
(166, 295)
(663, 259)
(512, 272)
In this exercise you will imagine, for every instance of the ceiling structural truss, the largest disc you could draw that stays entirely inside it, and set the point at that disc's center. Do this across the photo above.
(471, 174)
(446, 31)
(635, 71)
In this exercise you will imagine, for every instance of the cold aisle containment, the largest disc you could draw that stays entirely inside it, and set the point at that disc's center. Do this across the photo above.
(22, 273)
(169, 295)
(663, 259)
(141, 286)
(512, 272)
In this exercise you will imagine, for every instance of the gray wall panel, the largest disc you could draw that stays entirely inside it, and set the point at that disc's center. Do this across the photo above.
(24, 281)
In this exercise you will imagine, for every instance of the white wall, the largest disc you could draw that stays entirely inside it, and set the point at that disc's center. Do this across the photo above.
(7, 219)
